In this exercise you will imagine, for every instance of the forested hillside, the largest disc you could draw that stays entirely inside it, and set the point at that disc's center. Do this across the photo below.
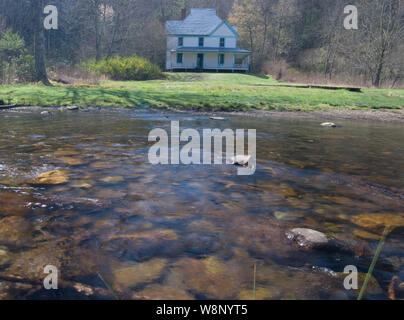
(294, 40)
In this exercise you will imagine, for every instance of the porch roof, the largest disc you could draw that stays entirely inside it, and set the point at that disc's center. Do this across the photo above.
(210, 49)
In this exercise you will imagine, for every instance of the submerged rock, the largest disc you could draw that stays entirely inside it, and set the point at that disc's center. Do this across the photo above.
(10, 182)
(114, 179)
(5, 255)
(30, 264)
(373, 287)
(65, 152)
(261, 293)
(12, 203)
(288, 283)
(287, 215)
(15, 290)
(217, 118)
(110, 194)
(329, 124)
(160, 234)
(210, 277)
(15, 230)
(130, 276)
(52, 177)
(366, 235)
(71, 161)
(307, 238)
(240, 160)
(102, 165)
(64, 254)
(161, 292)
(397, 262)
(81, 185)
(378, 220)
(68, 202)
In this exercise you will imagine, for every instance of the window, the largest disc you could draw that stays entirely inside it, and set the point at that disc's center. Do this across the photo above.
(201, 42)
(221, 59)
(239, 60)
(180, 57)
(180, 42)
(222, 42)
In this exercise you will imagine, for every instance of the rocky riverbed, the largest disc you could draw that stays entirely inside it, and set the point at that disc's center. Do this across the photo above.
(77, 192)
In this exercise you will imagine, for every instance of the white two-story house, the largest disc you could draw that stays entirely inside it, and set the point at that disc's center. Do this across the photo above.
(202, 41)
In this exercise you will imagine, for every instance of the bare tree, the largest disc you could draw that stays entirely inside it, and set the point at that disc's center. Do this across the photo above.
(381, 31)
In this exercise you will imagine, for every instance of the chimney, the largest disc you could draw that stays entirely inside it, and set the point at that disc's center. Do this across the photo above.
(183, 14)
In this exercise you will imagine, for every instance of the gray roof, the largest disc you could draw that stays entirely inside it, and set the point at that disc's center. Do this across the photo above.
(200, 22)
(209, 49)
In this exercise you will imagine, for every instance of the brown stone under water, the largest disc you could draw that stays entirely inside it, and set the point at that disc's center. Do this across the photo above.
(52, 177)
(13, 203)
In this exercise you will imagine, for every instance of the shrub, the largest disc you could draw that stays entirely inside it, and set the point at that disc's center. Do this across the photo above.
(15, 63)
(11, 44)
(125, 68)
(25, 68)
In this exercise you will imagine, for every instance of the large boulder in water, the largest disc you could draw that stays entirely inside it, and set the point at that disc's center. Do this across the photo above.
(307, 238)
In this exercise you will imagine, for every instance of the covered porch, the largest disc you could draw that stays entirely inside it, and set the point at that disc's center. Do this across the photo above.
(210, 59)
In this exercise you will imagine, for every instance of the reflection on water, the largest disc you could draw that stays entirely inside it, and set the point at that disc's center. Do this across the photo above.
(106, 218)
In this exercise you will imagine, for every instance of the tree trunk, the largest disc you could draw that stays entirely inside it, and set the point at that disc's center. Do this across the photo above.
(379, 69)
(396, 79)
(252, 63)
(39, 43)
(97, 26)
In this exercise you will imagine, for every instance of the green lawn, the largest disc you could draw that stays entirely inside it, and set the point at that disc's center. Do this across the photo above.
(224, 92)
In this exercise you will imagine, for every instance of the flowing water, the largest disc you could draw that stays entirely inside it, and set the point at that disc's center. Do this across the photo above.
(116, 226)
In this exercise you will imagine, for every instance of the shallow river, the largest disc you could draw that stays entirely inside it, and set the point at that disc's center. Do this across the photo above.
(116, 226)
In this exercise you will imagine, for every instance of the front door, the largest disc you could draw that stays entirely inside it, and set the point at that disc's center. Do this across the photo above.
(199, 61)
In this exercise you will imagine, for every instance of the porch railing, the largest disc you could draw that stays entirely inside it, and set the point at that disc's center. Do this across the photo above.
(194, 66)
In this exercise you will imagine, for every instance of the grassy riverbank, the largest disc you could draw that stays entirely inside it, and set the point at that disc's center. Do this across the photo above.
(218, 92)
